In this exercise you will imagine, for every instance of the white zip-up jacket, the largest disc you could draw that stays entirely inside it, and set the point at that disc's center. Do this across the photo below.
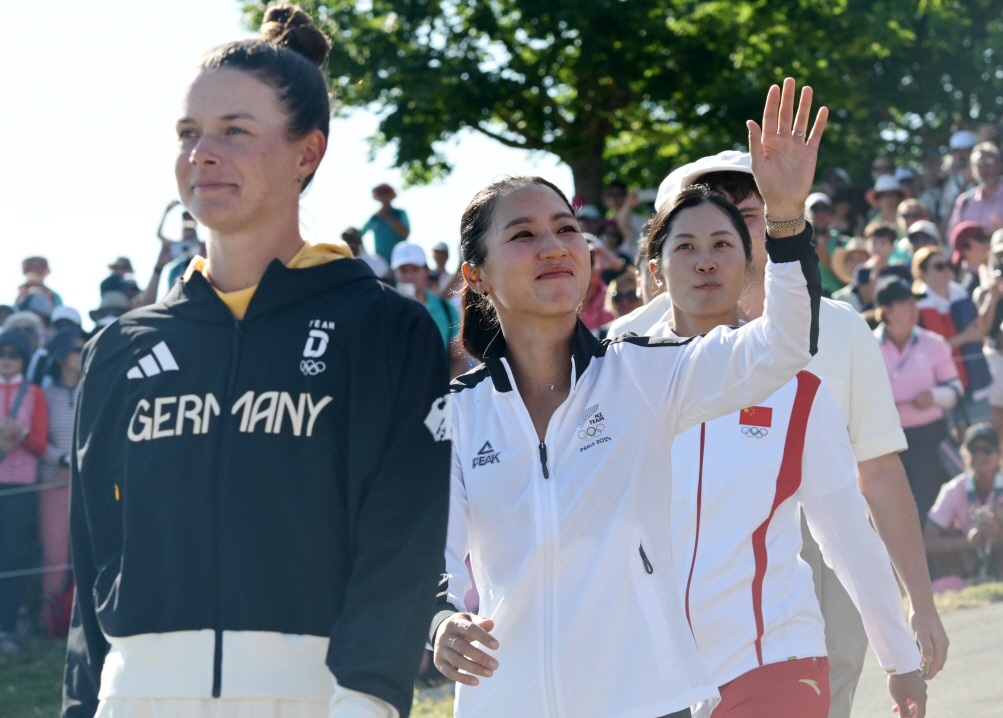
(738, 483)
(567, 537)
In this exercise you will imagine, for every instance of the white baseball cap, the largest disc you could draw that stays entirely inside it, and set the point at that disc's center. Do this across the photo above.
(407, 253)
(962, 140)
(65, 313)
(818, 198)
(925, 226)
(682, 177)
(887, 183)
(589, 211)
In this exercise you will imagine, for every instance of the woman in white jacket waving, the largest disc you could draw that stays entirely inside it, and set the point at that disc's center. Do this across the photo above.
(740, 484)
(560, 486)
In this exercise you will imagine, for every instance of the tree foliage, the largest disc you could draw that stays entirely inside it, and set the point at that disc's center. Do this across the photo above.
(635, 87)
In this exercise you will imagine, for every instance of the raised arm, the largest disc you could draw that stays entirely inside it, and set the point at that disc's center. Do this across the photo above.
(729, 370)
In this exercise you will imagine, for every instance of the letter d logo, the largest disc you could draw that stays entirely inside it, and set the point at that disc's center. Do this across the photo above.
(316, 344)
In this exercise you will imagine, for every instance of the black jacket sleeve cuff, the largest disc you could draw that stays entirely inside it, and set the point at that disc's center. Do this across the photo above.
(437, 620)
(791, 249)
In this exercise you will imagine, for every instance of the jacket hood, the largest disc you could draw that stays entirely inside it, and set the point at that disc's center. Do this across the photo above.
(280, 287)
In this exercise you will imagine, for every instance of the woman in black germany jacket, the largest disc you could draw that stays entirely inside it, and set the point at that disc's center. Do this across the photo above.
(260, 471)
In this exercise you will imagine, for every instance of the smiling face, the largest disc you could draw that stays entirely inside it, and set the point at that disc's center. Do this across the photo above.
(703, 263)
(537, 261)
(235, 162)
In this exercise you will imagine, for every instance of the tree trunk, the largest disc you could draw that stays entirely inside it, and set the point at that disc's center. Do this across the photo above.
(588, 174)
(587, 163)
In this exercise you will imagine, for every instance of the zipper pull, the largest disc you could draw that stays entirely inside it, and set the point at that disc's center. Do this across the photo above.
(648, 568)
(543, 460)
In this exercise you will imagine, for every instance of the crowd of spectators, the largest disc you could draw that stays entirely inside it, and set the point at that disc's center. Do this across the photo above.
(918, 252)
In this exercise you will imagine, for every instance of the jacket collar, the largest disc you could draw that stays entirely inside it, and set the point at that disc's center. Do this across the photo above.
(279, 287)
(584, 346)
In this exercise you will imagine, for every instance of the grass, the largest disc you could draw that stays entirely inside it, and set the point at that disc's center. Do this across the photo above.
(970, 597)
(31, 685)
(31, 682)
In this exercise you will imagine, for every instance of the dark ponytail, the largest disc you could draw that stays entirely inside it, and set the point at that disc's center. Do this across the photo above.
(480, 320)
(287, 56)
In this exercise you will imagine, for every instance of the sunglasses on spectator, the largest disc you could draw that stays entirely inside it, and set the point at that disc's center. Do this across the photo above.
(982, 239)
(619, 296)
(882, 168)
(987, 161)
(982, 449)
(10, 354)
(914, 215)
(940, 266)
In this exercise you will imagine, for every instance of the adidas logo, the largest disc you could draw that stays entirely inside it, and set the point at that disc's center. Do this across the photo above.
(159, 359)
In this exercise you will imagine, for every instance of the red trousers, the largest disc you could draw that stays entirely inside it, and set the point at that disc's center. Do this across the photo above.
(792, 689)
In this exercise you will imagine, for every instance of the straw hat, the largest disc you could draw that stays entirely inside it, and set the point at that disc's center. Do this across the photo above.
(856, 244)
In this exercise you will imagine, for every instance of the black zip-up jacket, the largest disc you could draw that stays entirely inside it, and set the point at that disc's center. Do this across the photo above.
(254, 499)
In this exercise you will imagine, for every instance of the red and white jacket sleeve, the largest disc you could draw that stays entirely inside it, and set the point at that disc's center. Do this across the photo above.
(837, 516)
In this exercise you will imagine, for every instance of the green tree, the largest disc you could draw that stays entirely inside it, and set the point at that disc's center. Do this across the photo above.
(633, 88)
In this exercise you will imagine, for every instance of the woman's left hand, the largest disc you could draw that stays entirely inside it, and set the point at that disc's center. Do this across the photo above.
(783, 163)
(924, 400)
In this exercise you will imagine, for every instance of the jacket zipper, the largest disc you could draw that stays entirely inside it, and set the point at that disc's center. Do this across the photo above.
(231, 384)
(549, 597)
(648, 568)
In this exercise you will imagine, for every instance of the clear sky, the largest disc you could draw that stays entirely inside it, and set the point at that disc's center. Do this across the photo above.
(91, 93)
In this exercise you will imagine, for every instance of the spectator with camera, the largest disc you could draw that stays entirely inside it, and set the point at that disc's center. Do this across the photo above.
(964, 531)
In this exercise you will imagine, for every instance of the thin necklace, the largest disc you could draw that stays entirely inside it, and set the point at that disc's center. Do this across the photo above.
(552, 383)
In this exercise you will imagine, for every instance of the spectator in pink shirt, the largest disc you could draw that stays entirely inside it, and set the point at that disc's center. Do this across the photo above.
(924, 382)
(964, 533)
(984, 203)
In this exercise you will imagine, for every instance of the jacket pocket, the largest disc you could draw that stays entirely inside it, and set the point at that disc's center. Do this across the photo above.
(644, 572)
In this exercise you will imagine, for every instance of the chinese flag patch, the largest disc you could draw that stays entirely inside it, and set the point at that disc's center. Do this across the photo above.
(756, 416)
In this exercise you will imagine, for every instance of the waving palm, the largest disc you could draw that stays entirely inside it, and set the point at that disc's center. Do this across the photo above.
(783, 162)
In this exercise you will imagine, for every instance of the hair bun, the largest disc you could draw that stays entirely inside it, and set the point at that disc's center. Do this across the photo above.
(289, 26)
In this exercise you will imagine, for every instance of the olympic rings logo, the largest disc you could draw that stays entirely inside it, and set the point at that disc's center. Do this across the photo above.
(591, 432)
(309, 367)
(756, 432)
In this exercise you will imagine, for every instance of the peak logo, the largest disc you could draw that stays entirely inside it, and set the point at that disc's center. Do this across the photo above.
(487, 455)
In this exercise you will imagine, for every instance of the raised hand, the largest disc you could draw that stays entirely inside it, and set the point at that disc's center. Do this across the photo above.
(783, 153)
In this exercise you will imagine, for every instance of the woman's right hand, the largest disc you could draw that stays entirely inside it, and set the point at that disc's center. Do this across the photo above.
(454, 650)
(783, 163)
(924, 400)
